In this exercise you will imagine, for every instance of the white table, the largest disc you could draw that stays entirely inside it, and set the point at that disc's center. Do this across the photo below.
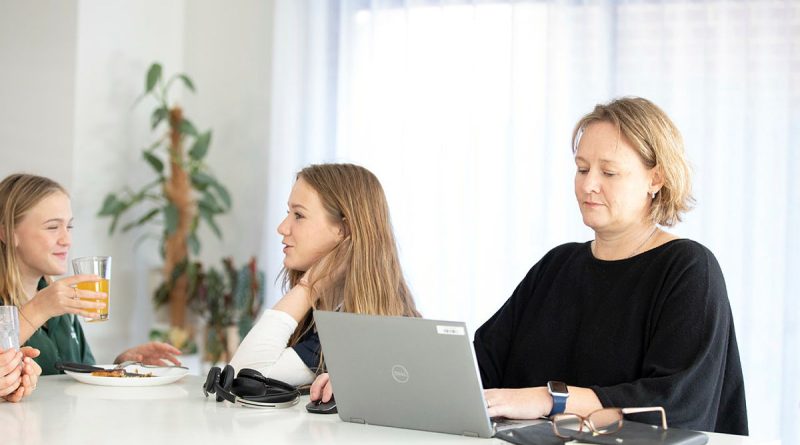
(63, 411)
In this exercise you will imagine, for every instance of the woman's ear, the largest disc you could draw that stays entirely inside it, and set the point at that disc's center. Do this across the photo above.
(656, 179)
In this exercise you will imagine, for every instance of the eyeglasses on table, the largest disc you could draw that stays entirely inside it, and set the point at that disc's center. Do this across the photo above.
(602, 421)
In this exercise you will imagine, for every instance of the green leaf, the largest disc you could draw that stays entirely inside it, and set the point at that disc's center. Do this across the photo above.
(113, 224)
(153, 75)
(194, 243)
(223, 194)
(187, 81)
(154, 162)
(147, 217)
(161, 295)
(170, 218)
(128, 226)
(159, 114)
(209, 202)
(110, 206)
(209, 218)
(201, 180)
(187, 127)
(200, 147)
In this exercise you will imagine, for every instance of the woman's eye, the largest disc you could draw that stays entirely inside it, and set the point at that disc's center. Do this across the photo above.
(70, 227)
(582, 170)
(297, 215)
(610, 173)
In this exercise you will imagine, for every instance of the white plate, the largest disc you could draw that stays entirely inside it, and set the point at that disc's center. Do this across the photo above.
(161, 376)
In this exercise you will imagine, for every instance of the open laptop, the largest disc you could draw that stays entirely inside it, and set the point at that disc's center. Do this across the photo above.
(404, 372)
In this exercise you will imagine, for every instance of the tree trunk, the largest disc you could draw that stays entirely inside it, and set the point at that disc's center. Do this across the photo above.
(178, 190)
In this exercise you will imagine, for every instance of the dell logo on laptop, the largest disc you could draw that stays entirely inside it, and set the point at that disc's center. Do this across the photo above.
(400, 373)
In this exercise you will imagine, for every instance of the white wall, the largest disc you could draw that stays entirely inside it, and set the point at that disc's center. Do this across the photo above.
(37, 55)
(72, 71)
(228, 55)
(116, 42)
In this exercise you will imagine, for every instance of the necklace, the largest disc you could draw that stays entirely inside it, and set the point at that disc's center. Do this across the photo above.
(636, 250)
(643, 243)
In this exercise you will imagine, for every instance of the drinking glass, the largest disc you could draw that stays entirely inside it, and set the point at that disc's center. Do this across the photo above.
(9, 327)
(100, 266)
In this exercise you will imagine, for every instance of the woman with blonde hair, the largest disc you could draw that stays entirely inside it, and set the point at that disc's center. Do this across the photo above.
(636, 317)
(339, 255)
(35, 238)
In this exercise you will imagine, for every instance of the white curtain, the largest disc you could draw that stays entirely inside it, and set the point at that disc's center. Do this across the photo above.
(464, 110)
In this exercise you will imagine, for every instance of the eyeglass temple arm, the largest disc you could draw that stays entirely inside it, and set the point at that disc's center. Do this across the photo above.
(647, 410)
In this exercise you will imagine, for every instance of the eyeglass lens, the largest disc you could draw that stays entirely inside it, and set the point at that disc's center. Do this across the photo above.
(604, 421)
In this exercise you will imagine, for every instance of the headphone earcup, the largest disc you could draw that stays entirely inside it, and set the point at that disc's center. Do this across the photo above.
(255, 375)
(247, 387)
(252, 385)
(251, 374)
(211, 381)
(225, 381)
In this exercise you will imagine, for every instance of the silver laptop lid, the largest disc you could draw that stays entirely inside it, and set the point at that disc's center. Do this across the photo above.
(404, 372)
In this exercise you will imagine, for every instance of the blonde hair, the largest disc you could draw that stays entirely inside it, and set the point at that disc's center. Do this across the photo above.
(372, 281)
(659, 144)
(18, 194)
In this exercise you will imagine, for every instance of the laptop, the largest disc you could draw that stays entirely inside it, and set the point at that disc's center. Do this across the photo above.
(405, 372)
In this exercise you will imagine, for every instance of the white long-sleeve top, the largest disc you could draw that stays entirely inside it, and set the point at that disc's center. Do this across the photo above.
(264, 349)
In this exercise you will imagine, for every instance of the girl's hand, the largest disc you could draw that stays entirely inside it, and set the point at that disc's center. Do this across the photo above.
(300, 299)
(325, 273)
(322, 389)
(29, 376)
(62, 297)
(10, 372)
(153, 353)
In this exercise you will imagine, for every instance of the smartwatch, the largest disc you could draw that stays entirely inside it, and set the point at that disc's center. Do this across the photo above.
(560, 393)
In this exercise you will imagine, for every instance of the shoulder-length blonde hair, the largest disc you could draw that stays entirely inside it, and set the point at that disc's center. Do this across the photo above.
(372, 281)
(659, 144)
(18, 194)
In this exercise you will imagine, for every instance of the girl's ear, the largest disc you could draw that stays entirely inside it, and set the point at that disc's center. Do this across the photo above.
(344, 228)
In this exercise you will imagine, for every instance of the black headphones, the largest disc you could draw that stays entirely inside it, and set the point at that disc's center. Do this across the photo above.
(249, 388)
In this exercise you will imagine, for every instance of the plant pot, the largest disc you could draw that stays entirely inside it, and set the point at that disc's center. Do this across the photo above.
(220, 343)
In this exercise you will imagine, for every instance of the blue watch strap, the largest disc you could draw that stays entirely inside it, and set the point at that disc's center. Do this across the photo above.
(559, 405)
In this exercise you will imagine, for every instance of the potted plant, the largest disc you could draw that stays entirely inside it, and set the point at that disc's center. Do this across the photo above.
(229, 302)
(182, 196)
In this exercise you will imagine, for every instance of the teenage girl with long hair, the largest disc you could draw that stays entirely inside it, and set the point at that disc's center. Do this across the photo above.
(340, 255)
(35, 238)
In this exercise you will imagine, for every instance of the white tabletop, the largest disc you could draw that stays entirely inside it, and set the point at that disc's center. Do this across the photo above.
(63, 411)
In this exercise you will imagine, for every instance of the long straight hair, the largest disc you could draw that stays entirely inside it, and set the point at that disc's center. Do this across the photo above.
(364, 266)
(18, 194)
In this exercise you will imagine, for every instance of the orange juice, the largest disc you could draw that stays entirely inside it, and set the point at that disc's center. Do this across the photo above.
(99, 286)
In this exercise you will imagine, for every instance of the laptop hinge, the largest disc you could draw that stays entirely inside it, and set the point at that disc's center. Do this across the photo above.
(470, 434)
(357, 420)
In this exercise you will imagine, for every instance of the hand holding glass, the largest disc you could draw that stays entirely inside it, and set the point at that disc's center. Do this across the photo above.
(9, 328)
(100, 266)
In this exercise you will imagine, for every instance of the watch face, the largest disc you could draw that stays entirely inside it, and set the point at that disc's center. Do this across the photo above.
(557, 387)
